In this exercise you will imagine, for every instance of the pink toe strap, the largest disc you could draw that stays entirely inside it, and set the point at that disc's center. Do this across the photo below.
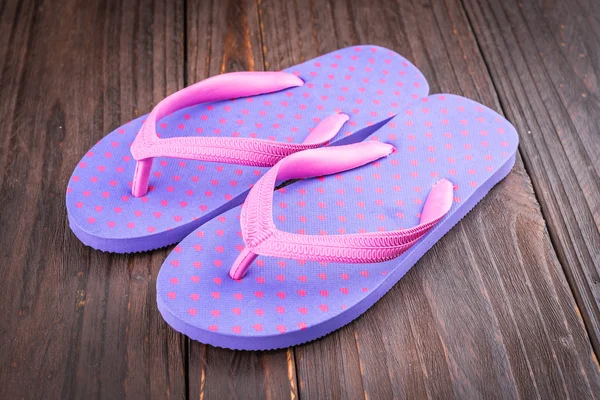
(262, 237)
(245, 151)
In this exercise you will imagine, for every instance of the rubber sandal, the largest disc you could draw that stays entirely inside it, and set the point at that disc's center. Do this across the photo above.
(331, 247)
(198, 152)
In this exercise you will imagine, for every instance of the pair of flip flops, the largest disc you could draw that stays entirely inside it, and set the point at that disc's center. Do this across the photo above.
(294, 264)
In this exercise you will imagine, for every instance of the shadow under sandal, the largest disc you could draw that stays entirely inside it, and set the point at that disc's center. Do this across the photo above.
(293, 265)
(154, 180)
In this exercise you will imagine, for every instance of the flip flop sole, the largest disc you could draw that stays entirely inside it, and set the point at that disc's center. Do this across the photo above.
(368, 83)
(276, 341)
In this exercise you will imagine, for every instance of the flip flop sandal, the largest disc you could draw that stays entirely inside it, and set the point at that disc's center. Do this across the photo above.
(314, 255)
(199, 149)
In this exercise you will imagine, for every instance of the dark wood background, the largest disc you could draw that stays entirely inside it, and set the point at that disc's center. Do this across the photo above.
(506, 305)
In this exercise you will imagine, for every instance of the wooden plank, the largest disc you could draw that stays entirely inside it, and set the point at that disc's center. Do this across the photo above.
(224, 36)
(487, 312)
(77, 322)
(543, 58)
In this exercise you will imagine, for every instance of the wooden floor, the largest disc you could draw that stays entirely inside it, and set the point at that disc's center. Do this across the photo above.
(506, 305)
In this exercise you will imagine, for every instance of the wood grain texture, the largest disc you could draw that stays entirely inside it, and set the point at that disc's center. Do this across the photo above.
(78, 323)
(487, 313)
(224, 36)
(495, 310)
(544, 60)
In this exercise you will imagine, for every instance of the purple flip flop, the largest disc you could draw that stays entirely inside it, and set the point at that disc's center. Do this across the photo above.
(154, 180)
(314, 255)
